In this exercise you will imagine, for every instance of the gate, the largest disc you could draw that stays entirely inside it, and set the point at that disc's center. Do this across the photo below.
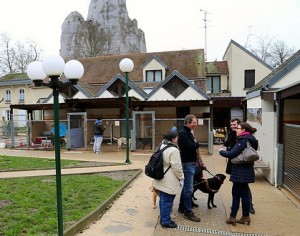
(77, 127)
(291, 161)
(202, 131)
(15, 131)
(148, 131)
(143, 134)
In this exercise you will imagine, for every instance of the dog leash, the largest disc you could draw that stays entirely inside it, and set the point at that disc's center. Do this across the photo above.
(208, 172)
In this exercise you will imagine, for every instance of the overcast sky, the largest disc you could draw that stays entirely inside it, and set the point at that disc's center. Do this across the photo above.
(167, 24)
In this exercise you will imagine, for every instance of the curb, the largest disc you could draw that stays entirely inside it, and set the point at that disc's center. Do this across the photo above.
(94, 215)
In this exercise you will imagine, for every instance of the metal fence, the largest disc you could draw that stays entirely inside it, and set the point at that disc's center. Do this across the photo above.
(146, 134)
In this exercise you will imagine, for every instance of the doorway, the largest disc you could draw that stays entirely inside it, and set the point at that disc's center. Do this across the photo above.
(181, 112)
(77, 127)
(143, 137)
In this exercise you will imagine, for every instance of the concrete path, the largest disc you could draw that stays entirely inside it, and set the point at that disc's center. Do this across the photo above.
(132, 213)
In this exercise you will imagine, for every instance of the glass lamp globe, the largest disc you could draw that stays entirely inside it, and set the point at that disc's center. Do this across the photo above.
(35, 71)
(73, 70)
(126, 65)
(53, 65)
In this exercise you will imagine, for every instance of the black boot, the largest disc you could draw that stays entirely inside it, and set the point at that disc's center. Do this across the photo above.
(251, 210)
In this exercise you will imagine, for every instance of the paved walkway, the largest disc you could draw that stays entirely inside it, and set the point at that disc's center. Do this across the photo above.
(132, 213)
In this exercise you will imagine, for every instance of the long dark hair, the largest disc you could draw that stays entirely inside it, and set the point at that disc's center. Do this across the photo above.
(248, 127)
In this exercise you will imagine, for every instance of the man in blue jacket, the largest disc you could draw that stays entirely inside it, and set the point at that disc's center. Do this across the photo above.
(188, 154)
(98, 135)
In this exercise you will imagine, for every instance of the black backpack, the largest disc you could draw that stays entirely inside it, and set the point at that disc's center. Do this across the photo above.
(155, 167)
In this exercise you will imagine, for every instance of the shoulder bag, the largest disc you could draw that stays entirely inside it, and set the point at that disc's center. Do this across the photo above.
(247, 156)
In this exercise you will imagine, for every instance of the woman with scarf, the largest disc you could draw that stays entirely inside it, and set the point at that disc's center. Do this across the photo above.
(241, 175)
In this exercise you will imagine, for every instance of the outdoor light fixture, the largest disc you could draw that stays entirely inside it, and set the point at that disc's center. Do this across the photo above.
(54, 66)
(126, 65)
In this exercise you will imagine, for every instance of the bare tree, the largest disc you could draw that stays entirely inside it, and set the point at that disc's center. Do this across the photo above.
(6, 54)
(92, 41)
(280, 52)
(24, 54)
(14, 57)
(272, 53)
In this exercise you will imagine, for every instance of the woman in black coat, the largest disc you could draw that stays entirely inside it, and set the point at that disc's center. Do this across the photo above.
(241, 175)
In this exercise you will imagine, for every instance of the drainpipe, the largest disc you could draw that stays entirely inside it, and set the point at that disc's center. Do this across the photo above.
(278, 164)
(12, 128)
(210, 129)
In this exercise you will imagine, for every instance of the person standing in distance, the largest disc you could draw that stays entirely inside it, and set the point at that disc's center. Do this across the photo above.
(4, 121)
(188, 154)
(174, 128)
(98, 135)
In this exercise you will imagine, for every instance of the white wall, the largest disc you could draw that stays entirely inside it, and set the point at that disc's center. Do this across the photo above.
(266, 135)
(224, 82)
(80, 95)
(131, 93)
(290, 78)
(188, 94)
(61, 99)
(239, 61)
(254, 102)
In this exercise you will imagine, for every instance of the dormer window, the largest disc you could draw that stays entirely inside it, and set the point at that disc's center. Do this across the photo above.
(154, 70)
(153, 76)
(175, 87)
(69, 91)
(118, 88)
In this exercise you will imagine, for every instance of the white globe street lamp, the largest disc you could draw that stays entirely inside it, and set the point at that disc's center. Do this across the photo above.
(54, 66)
(126, 65)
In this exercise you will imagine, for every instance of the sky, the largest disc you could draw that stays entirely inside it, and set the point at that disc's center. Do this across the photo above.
(168, 24)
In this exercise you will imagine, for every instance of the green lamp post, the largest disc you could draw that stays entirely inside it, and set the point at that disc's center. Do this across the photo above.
(126, 65)
(54, 66)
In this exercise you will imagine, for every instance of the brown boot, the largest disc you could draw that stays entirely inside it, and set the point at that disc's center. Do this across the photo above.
(244, 219)
(231, 220)
(192, 217)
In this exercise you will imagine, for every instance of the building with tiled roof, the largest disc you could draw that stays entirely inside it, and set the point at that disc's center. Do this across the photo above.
(172, 84)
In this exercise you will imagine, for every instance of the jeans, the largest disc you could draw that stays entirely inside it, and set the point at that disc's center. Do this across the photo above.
(97, 143)
(187, 190)
(240, 191)
(165, 206)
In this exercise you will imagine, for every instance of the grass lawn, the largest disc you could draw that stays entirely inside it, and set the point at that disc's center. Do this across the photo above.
(28, 204)
(24, 163)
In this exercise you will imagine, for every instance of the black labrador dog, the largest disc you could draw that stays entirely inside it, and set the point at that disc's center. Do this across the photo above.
(144, 141)
(210, 186)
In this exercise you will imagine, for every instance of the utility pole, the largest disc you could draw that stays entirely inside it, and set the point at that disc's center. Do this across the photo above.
(205, 33)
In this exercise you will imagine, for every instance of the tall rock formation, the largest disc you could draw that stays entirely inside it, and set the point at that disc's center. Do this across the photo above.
(107, 30)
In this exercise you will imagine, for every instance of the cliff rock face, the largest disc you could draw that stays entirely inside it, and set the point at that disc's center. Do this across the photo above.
(107, 30)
